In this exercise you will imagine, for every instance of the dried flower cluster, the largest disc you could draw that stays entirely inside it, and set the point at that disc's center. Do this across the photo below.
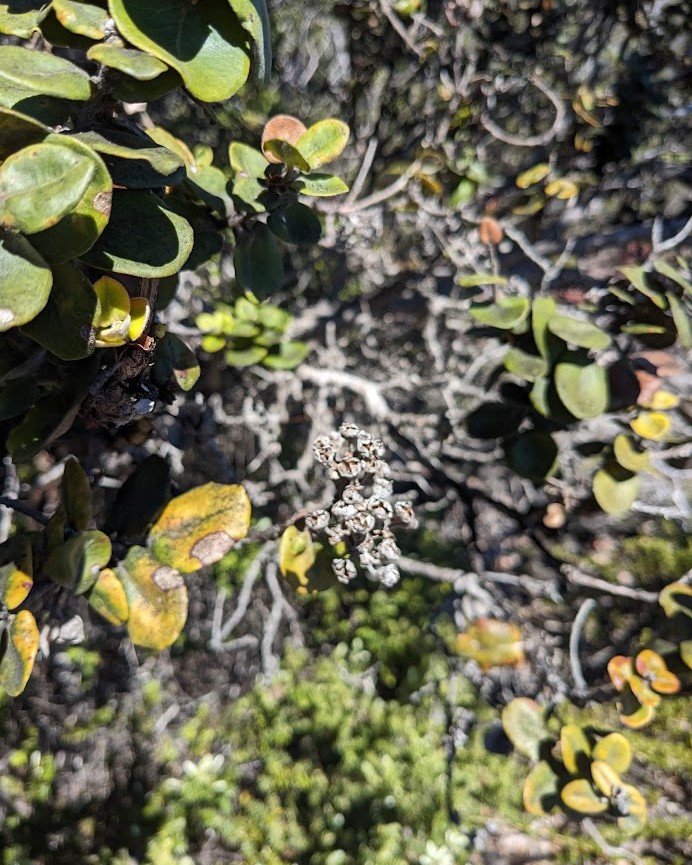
(363, 515)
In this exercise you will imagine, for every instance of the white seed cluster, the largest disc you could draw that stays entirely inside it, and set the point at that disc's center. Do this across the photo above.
(363, 515)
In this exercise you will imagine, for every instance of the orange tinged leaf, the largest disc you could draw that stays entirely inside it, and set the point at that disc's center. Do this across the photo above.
(283, 127)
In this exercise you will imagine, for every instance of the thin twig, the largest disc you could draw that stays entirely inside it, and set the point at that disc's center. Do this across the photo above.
(606, 848)
(530, 140)
(580, 685)
(578, 578)
(399, 28)
(381, 195)
(451, 575)
(363, 171)
(25, 509)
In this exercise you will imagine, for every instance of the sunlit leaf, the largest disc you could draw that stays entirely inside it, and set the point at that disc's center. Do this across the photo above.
(524, 723)
(20, 653)
(108, 598)
(199, 527)
(491, 643)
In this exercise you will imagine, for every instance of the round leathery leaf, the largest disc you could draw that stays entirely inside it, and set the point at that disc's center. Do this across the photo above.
(582, 387)
(16, 571)
(25, 74)
(578, 332)
(143, 237)
(83, 18)
(156, 599)
(540, 789)
(295, 223)
(108, 597)
(575, 748)
(254, 17)
(130, 61)
(21, 17)
(18, 130)
(40, 184)
(204, 42)
(133, 160)
(65, 325)
(580, 796)
(615, 489)
(507, 313)
(258, 262)
(25, 280)
(77, 563)
(491, 643)
(615, 750)
(20, 653)
(532, 454)
(78, 231)
(199, 527)
(524, 723)
(282, 127)
(627, 454)
(323, 142)
(651, 425)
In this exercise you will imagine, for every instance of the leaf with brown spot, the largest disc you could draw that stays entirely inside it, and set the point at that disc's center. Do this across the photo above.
(21, 648)
(200, 526)
(156, 598)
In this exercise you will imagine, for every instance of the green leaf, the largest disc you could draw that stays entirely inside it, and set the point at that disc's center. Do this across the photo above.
(634, 805)
(668, 270)
(245, 356)
(65, 325)
(285, 152)
(615, 489)
(637, 276)
(473, 279)
(203, 42)
(246, 161)
(132, 160)
(78, 231)
(532, 454)
(542, 310)
(199, 527)
(525, 365)
(143, 237)
(254, 18)
(627, 454)
(523, 721)
(77, 563)
(83, 18)
(25, 281)
(258, 262)
(141, 498)
(295, 223)
(208, 240)
(174, 360)
(156, 599)
(289, 356)
(39, 185)
(21, 17)
(505, 314)
(17, 131)
(21, 648)
(681, 317)
(52, 416)
(320, 185)
(76, 495)
(129, 61)
(582, 387)
(25, 74)
(129, 89)
(210, 184)
(578, 332)
(324, 142)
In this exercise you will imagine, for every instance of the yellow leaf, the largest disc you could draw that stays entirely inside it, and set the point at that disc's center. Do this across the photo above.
(651, 425)
(114, 300)
(20, 654)
(533, 175)
(16, 569)
(562, 189)
(108, 597)
(662, 400)
(140, 313)
(200, 526)
(296, 555)
(156, 598)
